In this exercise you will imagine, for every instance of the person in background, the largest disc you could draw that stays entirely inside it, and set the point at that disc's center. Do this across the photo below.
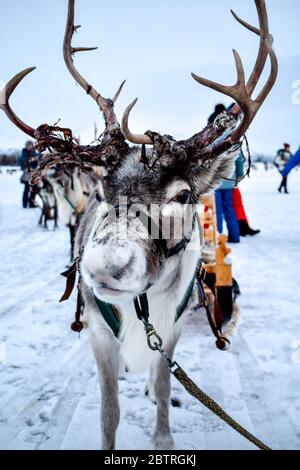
(282, 158)
(229, 203)
(224, 203)
(219, 109)
(241, 216)
(292, 163)
(29, 160)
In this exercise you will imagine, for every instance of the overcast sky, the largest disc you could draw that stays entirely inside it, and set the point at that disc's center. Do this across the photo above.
(155, 44)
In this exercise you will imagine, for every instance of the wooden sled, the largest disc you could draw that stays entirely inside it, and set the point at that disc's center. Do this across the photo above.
(221, 288)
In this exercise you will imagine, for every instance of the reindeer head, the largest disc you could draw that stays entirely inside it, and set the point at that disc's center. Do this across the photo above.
(158, 180)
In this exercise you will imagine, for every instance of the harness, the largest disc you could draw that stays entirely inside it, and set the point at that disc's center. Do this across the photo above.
(110, 313)
(112, 318)
(80, 206)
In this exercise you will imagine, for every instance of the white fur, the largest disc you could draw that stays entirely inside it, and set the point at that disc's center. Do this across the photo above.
(100, 259)
(75, 196)
(175, 188)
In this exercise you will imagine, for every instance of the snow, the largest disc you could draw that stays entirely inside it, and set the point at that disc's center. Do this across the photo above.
(49, 396)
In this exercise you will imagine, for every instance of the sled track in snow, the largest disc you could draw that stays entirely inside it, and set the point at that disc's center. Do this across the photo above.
(218, 435)
(29, 297)
(264, 420)
(27, 246)
(48, 383)
(66, 406)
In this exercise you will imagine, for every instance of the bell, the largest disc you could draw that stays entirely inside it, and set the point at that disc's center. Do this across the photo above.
(223, 343)
(77, 326)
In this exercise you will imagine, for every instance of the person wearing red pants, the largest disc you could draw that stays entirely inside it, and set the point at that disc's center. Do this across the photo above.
(240, 213)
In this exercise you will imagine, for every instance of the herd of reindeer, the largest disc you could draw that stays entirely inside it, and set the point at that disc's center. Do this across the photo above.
(63, 194)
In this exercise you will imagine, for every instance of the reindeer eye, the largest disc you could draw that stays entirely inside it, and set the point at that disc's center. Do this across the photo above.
(183, 197)
(97, 196)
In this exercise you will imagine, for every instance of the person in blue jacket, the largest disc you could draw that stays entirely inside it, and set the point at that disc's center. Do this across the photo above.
(28, 160)
(292, 163)
(224, 204)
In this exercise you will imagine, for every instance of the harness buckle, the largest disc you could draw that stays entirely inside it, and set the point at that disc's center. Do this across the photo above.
(154, 343)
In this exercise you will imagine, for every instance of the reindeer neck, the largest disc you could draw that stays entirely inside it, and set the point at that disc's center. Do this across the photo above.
(171, 286)
(178, 272)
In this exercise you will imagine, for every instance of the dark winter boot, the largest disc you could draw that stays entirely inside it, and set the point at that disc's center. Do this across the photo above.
(253, 232)
(231, 240)
(283, 185)
(246, 230)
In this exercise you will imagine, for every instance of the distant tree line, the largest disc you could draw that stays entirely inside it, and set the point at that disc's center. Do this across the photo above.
(10, 159)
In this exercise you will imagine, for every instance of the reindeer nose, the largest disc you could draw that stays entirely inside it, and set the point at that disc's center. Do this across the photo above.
(109, 264)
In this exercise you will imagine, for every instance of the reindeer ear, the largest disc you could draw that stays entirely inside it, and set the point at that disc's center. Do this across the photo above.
(209, 178)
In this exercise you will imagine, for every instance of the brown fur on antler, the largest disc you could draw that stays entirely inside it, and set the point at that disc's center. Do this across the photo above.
(107, 154)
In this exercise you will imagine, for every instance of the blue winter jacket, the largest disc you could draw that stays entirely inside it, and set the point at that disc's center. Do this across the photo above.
(292, 163)
(238, 173)
(23, 158)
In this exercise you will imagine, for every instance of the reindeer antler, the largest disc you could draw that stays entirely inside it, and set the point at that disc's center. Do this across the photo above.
(59, 141)
(264, 34)
(106, 105)
(240, 92)
(209, 143)
(47, 136)
(5, 106)
(134, 138)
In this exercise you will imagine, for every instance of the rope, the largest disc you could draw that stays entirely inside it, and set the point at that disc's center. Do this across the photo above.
(189, 385)
(209, 403)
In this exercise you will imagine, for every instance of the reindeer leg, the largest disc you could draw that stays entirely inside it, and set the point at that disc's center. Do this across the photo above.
(55, 218)
(106, 352)
(162, 438)
(41, 218)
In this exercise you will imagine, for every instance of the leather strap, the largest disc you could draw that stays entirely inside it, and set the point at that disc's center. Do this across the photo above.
(221, 341)
(183, 304)
(110, 316)
(77, 325)
(70, 274)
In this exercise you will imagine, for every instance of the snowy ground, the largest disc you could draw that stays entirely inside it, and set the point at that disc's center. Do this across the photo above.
(49, 396)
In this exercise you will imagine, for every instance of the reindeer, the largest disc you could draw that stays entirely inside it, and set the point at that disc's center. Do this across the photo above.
(64, 192)
(121, 262)
(72, 189)
(49, 204)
